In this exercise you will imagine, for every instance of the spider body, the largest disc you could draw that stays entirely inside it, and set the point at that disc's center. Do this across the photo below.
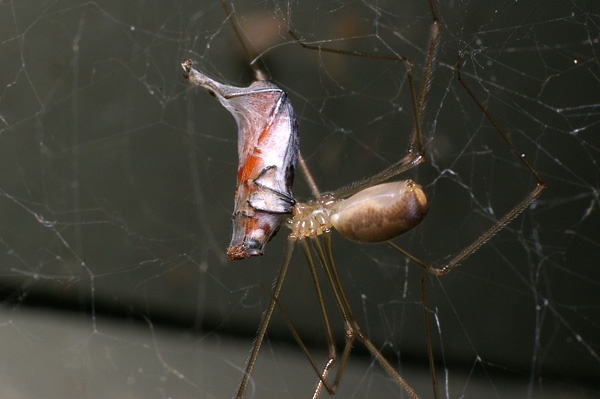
(375, 214)
(380, 213)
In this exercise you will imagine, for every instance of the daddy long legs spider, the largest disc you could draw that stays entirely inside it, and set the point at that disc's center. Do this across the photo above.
(375, 209)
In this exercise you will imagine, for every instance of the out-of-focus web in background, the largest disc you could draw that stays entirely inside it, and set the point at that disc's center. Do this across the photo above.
(116, 189)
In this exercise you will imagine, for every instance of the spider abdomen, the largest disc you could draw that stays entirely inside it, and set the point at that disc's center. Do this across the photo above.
(381, 212)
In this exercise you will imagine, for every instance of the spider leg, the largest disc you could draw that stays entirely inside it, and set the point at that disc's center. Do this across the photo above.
(416, 152)
(515, 211)
(266, 318)
(353, 330)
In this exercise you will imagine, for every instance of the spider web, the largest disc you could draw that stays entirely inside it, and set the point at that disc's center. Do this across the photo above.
(117, 180)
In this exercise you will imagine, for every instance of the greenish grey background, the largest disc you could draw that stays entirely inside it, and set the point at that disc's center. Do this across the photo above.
(117, 180)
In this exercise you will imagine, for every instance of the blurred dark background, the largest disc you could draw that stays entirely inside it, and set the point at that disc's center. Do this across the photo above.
(117, 179)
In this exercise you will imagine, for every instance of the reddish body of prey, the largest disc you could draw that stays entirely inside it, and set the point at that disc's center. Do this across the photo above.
(267, 149)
